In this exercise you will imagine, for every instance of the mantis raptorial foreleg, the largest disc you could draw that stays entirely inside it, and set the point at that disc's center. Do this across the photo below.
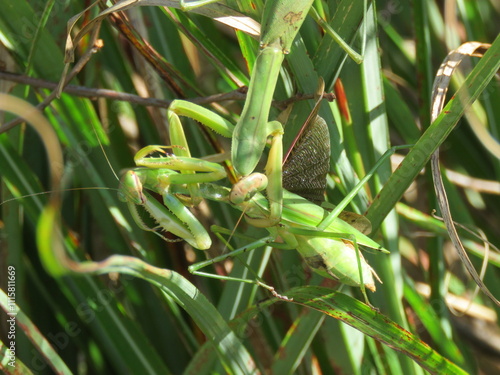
(173, 216)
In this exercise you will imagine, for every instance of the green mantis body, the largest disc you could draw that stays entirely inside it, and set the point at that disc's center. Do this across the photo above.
(281, 23)
(289, 218)
(327, 252)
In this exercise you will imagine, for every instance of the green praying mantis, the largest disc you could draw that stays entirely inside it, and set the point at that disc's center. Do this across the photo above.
(332, 252)
(328, 244)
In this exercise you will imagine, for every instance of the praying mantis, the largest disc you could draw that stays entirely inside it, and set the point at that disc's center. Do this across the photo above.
(327, 252)
(292, 221)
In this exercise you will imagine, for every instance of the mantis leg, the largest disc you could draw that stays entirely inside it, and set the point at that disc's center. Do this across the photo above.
(176, 219)
(269, 240)
(160, 172)
(208, 118)
(163, 169)
(246, 188)
(179, 142)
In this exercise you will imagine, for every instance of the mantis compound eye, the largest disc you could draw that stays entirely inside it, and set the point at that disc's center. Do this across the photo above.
(131, 188)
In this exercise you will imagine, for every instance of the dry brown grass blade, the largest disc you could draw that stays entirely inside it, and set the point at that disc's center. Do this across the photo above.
(219, 12)
(441, 83)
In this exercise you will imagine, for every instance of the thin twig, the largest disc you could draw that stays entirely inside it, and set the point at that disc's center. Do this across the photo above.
(91, 93)
(83, 91)
(41, 106)
(86, 92)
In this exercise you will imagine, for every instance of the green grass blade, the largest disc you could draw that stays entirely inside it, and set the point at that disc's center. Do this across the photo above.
(399, 181)
(30, 329)
(296, 342)
(373, 324)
